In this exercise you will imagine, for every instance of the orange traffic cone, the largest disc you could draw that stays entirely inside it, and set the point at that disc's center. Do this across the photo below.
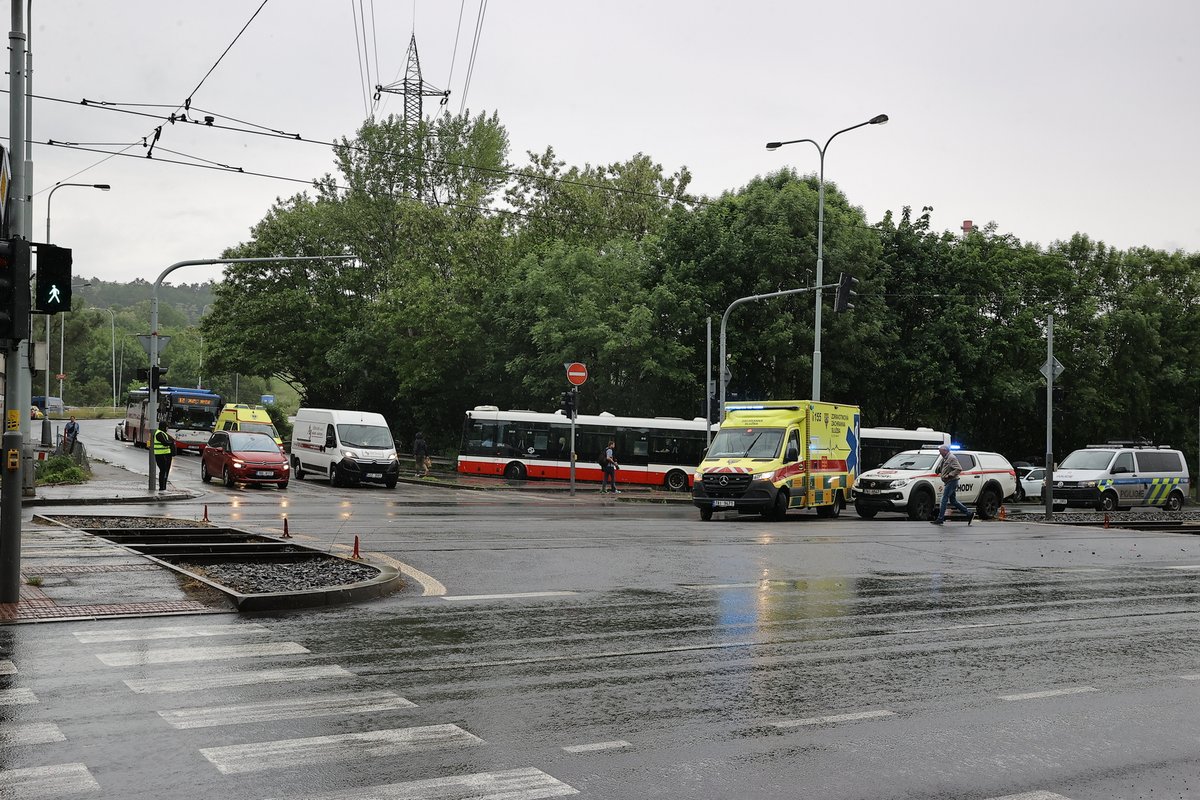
(355, 554)
(286, 535)
(1003, 514)
(1106, 519)
(206, 512)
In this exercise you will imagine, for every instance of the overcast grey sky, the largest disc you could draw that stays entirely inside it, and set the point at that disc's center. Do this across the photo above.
(1046, 117)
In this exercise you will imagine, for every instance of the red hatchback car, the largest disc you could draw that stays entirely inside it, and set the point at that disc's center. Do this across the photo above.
(237, 457)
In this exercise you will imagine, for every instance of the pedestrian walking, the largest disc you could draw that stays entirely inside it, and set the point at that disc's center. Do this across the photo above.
(70, 436)
(949, 472)
(610, 466)
(421, 455)
(164, 451)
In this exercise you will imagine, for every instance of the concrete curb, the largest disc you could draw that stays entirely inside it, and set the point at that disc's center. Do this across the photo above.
(165, 497)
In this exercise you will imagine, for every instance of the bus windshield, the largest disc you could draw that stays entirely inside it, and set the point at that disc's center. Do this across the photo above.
(760, 443)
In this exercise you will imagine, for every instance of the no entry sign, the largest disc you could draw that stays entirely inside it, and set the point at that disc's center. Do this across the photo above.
(576, 373)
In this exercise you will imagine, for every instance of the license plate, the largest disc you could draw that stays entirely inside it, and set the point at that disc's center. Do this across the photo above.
(265, 473)
(374, 474)
(723, 504)
(869, 491)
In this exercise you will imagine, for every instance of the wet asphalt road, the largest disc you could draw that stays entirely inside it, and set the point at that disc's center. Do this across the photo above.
(650, 656)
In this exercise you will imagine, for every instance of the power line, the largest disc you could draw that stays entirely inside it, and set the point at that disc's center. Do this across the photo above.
(454, 54)
(187, 103)
(474, 51)
(359, 58)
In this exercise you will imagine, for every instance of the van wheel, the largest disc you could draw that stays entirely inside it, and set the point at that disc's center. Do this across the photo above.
(864, 512)
(1108, 502)
(706, 514)
(988, 504)
(297, 469)
(515, 472)
(1175, 502)
(779, 510)
(335, 477)
(390, 483)
(920, 505)
(676, 481)
(831, 512)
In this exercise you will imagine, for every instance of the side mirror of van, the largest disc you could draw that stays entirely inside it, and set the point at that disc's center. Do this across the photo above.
(1119, 470)
(793, 453)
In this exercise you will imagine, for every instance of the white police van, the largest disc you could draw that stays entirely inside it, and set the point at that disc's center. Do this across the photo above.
(1108, 476)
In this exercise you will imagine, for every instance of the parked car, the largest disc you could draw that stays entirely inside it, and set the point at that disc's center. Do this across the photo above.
(908, 483)
(1032, 480)
(236, 457)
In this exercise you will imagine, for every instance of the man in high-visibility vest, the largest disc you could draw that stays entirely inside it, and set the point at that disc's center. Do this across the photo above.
(164, 450)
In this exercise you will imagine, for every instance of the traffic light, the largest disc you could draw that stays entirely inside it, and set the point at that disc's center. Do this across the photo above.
(567, 404)
(52, 292)
(14, 289)
(845, 293)
(156, 374)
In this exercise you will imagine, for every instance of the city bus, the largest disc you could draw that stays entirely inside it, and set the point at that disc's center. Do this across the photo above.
(190, 415)
(654, 451)
(877, 445)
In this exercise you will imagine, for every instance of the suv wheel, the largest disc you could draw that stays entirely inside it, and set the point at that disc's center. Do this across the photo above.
(920, 505)
(988, 504)
(864, 512)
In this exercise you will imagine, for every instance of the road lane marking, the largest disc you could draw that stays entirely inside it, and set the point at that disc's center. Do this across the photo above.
(592, 748)
(1032, 796)
(33, 733)
(51, 781)
(129, 658)
(1049, 693)
(1186, 566)
(173, 632)
(514, 595)
(17, 697)
(8, 668)
(292, 708)
(796, 723)
(258, 756)
(1190, 677)
(230, 679)
(511, 784)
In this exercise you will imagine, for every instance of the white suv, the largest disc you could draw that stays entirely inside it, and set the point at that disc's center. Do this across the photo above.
(908, 482)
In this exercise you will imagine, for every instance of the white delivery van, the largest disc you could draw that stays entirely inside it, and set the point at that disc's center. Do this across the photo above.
(347, 447)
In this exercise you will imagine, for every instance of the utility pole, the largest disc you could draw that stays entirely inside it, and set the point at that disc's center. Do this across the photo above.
(415, 89)
(14, 404)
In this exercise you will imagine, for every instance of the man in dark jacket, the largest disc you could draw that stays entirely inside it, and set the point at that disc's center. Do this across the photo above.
(421, 455)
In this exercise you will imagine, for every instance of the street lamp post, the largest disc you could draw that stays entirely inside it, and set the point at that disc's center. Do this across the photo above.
(876, 120)
(112, 319)
(104, 187)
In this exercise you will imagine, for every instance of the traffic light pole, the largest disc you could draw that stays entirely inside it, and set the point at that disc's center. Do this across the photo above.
(152, 405)
(12, 441)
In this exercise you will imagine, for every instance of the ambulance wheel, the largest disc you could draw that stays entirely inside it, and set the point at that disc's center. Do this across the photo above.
(1175, 502)
(831, 512)
(515, 471)
(920, 505)
(676, 481)
(988, 504)
(706, 514)
(1108, 501)
(779, 510)
(864, 512)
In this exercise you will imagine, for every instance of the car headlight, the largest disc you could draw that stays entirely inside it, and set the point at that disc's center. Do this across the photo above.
(899, 483)
(1088, 484)
(349, 454)
(238, 464)
(764, 476)
(391, 457)
(286, 467)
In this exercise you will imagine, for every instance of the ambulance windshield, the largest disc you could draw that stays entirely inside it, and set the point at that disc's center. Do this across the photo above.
(760, 443)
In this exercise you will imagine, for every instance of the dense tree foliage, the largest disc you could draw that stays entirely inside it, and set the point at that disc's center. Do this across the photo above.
(474, 280)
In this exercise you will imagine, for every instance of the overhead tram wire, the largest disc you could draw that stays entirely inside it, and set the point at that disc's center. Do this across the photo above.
(359, 58)
(454, 53)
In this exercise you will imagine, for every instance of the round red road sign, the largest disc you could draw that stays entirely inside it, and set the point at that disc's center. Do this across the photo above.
(577, 373)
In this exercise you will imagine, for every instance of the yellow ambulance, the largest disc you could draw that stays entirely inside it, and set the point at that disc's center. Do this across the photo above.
(243, 417)
(771, 456)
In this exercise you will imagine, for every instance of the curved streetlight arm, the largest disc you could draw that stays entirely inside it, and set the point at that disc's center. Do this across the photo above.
(152, 404)
(104, 187)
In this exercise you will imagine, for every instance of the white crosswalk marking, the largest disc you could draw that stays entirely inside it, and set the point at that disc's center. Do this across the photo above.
(17, 697)
(129, 658)
(797, 723)
(512, 784)
(172, 632)
(292, 708)
(194, 683)
(596, 747)
(235, 759)
(32, 733)
(8, 668)
(53, 781)
(1049, 693)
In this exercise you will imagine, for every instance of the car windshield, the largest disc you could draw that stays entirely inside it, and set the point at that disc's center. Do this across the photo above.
(252, 443)
(921, 461)
(762, 443)
(258, 427)
(369, 436)
(1087, 459)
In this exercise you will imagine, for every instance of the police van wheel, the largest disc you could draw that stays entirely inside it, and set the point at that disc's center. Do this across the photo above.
(706, 514)
(1175, 502)
(1108, 502)
(920, 505)
(676, 480)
